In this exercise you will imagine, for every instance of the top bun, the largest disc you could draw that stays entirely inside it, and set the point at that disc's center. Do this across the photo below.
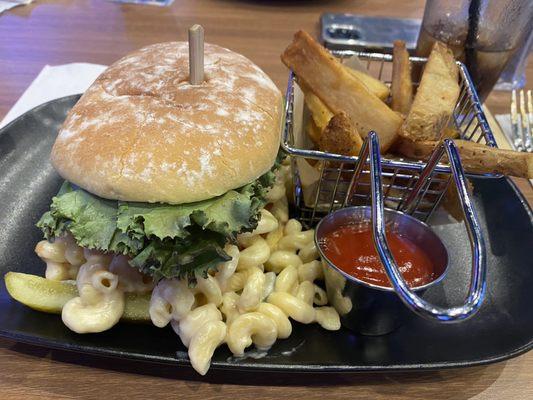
(141, 132)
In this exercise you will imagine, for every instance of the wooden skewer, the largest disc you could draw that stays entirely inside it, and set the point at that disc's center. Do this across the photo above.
(196, 55)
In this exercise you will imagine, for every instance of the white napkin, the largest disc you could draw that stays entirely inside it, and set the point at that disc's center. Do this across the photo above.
(8, 4)
(52, 83)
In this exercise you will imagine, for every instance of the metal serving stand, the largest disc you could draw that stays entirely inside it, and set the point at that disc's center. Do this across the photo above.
(412, 300)
(399, 176)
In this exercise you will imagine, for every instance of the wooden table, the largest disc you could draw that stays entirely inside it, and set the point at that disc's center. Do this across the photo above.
(57, 32)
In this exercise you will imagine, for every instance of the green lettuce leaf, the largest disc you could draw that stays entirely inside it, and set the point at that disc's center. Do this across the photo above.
(90, 219)
(196, 255)
(163, 240)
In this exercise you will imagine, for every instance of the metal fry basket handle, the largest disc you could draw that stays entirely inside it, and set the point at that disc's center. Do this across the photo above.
(420, 306)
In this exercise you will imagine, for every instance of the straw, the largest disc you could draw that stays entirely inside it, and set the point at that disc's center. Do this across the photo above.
(471, 37)
(196, 55)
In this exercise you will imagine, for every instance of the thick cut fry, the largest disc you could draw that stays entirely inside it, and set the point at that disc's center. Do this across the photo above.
(313, 131)
(414, 150)
(319, 112)
(435, 99)
(450, 133)
(340, 90)
(340, 137)
(475, 157)
(483, 159)
(374, 85)
(402, 85)
(451, 202)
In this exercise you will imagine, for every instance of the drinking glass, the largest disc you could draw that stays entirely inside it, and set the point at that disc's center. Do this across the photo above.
(483, 34)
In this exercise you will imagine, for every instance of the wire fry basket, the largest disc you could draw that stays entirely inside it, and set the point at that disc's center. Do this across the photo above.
(334, 172)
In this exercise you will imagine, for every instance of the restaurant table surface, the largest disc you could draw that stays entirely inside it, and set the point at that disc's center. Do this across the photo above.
(58, 32)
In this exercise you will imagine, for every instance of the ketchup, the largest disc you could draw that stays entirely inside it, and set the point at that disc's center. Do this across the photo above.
(351, 249)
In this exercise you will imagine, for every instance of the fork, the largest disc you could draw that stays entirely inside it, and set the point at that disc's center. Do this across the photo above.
(522, 122)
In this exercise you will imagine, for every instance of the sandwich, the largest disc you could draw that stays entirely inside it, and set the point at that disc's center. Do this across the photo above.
(162, 171)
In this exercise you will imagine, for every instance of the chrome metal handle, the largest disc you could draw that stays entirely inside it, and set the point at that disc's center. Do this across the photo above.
(414, 302)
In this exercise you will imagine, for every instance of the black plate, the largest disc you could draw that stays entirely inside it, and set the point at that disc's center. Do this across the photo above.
(503, 328)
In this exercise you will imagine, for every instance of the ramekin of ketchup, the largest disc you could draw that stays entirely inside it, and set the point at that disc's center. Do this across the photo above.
(356, 281)
(351, 248)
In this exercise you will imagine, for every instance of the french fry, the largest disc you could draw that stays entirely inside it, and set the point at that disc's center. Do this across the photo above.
(339, 90)
(319, 112)
(313, 131)
(374, 85)
(450, 133)
(435, 98)
(414, 150)
(402, 85)
(475, 157)
(451, 202)
(340, 137)
(482, 159)
(321, 115)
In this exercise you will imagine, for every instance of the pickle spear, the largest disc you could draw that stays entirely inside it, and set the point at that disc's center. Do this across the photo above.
(49, 296)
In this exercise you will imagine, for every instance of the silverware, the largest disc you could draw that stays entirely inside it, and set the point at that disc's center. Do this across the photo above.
(522, 121)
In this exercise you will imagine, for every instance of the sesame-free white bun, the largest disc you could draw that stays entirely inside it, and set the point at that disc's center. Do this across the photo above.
(141, 132)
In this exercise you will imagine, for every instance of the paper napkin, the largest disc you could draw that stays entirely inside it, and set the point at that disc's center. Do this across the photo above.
(52, 83)
(8, 4)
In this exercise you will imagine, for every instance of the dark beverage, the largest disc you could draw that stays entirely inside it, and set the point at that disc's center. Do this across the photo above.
(483, 34)
(484, 62)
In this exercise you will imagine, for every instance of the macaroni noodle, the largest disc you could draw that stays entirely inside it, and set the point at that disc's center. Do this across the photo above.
(226, 270)
(249, 328)
(277, 191)
(273, 237)
(310, 271)
(308, 252)
(252, 291)
(100, 303)
(283, 325)
(306, 292)
(320, 297)
(328, 318)
(73, 252)
(293, 226)
(209, 288)
(281, 259)
(270, 281)
(194, 320)
(287, 280)
(280, 210)
(238, 280)
(267, 223)
(292, 306)
(204, 343)
(63, 258)
(229, 306)
(296, 241)
(171, 299)
(256, 252)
